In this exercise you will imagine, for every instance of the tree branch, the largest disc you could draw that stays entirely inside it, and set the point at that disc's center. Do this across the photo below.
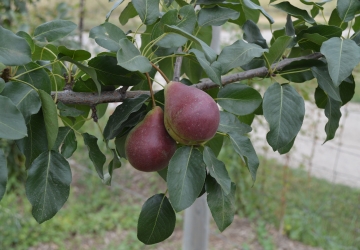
(177, 67)
(70, 97)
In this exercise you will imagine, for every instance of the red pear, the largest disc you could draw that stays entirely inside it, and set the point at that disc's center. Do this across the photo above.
(149, 147)
(191, 115)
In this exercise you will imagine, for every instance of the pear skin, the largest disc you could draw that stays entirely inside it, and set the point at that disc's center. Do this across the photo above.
(149, 147)
(191, 115)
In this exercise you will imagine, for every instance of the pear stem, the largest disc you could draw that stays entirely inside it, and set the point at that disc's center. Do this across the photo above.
(151, 90)
(161, 73)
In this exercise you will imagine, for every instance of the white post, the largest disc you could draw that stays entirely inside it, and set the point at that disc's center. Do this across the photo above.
(196, 222)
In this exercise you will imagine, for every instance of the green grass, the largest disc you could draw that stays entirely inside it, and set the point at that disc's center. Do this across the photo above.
(318, 213)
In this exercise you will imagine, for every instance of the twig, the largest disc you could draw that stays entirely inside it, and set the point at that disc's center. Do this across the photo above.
(177, 67)
(161, 73)
(151, 90)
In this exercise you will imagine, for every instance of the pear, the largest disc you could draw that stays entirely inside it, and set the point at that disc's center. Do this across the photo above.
(191, 115)
(149, 147)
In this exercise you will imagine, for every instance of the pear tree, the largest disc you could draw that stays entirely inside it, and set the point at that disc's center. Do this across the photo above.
(48, 92)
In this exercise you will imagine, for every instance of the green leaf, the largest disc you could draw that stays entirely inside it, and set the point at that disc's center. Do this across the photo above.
(120, 145)
(287, 148)
(114, 164)
(325, 82)
(50, 117)
(185, 19)
(238, 54)
(127, 13)
(244, 148)
(239, 99)
(347, 90)
(209, 52)
(284, 110)
(254, 6)
(3, 174)
(14, 50)
(48, 185)
(35, 143)
(12, 123)
(289, 27)
(47, 53)
(95, 154)
(321, 98)
(277, 49)
(186, 176)
(295, 12)
(28, 39)
(121, 115)
(68, 111)
(229, 123)
(129, 57)
(192, 69)
(252, 34)
(216, 16)
(333, 113)
(156, 221)
(299, 71)
(216, 144)
(77, 122)
(222, 206)
(53, 30)
(89, 71)
(209, 2)
(347, 9)
(336, 21)
(148, 10)
(109, 73)
(213, 72)
(116, 4)
(25, 98)
(217, 170)
(77, 55)
(67, 141)
(342, 57)
(107, 35)
(2, 84)
(36, 76)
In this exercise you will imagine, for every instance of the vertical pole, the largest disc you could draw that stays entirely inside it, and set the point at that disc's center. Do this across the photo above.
(196, 222)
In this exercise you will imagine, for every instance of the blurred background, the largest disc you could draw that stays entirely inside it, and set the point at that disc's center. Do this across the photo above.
(307, 199)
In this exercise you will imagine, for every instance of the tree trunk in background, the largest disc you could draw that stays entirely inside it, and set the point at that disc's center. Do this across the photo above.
(81, 21)
(196, 222)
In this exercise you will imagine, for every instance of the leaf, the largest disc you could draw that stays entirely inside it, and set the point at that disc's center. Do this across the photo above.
(114, 164)
(120, 145)
(116, 4)
(217, 170)
(333, 113)
(186, 176)
(299, 71)
(121, 115)
(109, 73)
(95, 154)
(67, 141)
(277, 49)
(216, 16)
(148, 10)
(107, 35)
(239, 99)
(77, 55)
(156, 221)
(222, 206)
(325, 82)
(238, 54)
(68, 111)
(3, 174)
(321, 98)
(347, 90)
(185, 19)
(342, 57)
(28, 39)
(50, 117)
(48, 52)
(284, 110)
(295, 12)
(2, 84)
(192, 69)
(48, 185)
(229, 123)
(289, 27)
(215, 144)
(53, 30)
(12, 123)
(209, 52)
(77, 122)
(128, 12)
(14, 50)
(89, 71)
(336, 21)
(35, 143)
(287, 148)
(25, 98)
(214, 73)
(347, 9)
(209, 2)
(243, 146)
(129, 57)
(252, 34)
(36, 76)
(254, 6)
